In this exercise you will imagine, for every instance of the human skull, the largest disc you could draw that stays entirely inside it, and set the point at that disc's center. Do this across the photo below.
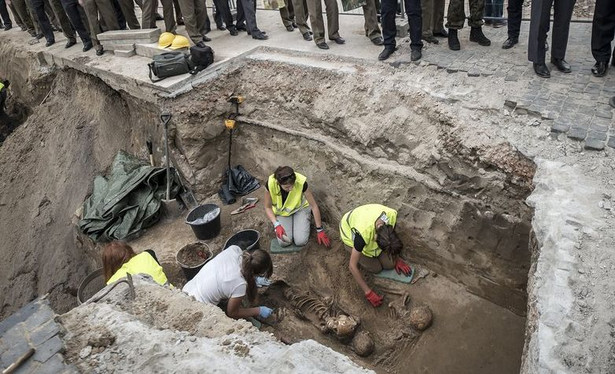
(421, 317)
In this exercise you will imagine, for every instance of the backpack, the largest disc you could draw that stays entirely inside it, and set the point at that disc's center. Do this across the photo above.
(201, 56)
(169, 64)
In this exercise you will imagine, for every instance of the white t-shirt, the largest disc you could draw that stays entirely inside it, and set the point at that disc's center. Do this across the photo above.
(219, 279)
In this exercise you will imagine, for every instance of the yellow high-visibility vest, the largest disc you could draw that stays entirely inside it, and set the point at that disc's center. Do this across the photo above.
(294, 201)
(143, 263)
(362, 220)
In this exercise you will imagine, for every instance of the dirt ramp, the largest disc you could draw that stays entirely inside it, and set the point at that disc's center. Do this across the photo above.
(48, 165)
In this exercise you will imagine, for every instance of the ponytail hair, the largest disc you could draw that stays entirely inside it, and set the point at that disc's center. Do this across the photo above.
(255, 263)
(114, 255)
(387, 240)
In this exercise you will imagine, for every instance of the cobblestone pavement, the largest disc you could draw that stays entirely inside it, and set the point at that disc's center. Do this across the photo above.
(576, 104)
(33, 326)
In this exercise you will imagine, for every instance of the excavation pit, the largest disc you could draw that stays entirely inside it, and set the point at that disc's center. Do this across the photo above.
(461, 203)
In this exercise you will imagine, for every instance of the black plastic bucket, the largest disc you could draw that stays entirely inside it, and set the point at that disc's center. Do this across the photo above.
(94, 282)
(247, 240)
(192, 251)
(207, 229)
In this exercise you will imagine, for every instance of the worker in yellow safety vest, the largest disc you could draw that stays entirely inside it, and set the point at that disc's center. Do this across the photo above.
(119, 259)
(289, 204)
(369, 232)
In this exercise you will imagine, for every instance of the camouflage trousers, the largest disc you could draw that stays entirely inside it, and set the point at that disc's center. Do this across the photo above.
(457, 16)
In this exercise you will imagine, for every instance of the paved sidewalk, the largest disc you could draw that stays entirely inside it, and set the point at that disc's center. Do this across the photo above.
(576, 104)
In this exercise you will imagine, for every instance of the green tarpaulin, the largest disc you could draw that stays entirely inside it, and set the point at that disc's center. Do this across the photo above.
(348, 5)
(127, 201)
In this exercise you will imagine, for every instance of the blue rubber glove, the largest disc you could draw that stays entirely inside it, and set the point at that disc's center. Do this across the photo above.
(264, 311)
(262, 282)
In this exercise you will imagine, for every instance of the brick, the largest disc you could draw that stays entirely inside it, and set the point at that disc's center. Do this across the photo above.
(604, 113)
(37, 319)
(49, 348)
(611, 142)
(594, 144)
(150, 35)
(560, 127)
(577, 133)
(16, 344)
(19, 316)
(596, 135)
(44, 332)
(55, 364)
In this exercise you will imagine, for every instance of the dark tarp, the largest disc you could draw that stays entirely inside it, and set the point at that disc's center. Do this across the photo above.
(127, 201)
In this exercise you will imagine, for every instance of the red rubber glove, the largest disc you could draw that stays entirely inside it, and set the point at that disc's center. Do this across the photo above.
(374, 298)
(402, 267)
(323, 239)
(280, 232)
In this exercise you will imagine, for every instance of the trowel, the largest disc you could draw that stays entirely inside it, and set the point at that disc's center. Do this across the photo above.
(170, 208)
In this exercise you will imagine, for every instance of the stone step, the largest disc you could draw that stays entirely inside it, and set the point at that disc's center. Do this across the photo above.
(150, 35)
(118, 46)
(151, 49)
(124, 53)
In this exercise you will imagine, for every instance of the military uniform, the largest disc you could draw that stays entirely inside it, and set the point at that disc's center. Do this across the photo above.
(317, 23)
(456, 14)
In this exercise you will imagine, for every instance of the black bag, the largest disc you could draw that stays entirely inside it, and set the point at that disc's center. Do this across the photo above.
(240, 182)
(169, 64)
(201, 56)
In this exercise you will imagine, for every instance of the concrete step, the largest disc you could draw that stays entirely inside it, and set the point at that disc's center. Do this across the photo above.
(142, 35)
(119, 46)
(124, 53)
(151, 49)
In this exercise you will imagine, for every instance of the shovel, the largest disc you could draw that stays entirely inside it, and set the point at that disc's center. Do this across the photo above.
(170, 208)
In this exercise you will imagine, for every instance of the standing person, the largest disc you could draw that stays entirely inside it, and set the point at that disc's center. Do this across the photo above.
(603, 31)
(514, 10)
(127, 9)
(107, 16)
(119, 259)
(433, 20)
(289, 204)
(246, 17)
(318, 25)
(20, 8)
(78, 20)
(6, 24)
(230, 276)
(539, 26)
(223, 9)
(370, 14)
(301, 17)
(389, 29)
(456, 18)
(195, 18)
(369, 232)
(148, 18)
(67, 30)
(287, 14)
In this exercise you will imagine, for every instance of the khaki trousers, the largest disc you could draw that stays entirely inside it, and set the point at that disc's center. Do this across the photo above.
(433, 16)
(128, 10)
(301, 15)
(370, 13)
(195, 14)
(318, 25)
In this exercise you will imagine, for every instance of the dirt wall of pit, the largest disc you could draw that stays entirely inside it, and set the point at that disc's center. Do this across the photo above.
(77, 125)
(359, 140)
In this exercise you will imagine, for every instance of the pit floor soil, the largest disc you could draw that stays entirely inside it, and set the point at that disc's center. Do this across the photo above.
(468, 334)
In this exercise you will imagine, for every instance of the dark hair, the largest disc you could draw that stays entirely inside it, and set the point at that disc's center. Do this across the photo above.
(284, 175)
(255, 263)
(114, 255)
(387, 240)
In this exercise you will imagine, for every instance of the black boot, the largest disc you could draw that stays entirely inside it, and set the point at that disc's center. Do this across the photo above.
(453, 40)
(476, 35)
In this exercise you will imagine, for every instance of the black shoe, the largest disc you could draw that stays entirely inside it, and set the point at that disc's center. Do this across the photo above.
(206, 31)
(158, 17)
(509, 43)
(441, 34)
(39, 36)
(70, 43)
(600, 68)
(206, 38)
(386, 53)
(378, 40)
(612, 102)
(87, 46)
(338, 40)
(259, 35)
(100, 51)
(290, 28)
(542, 70)
(476, 35)
(32, 33)
(430, 39)
(7, 27)
(180, 22)
(50, 43)
(322, 45)
(241, 28)
(221, 27)
(561, 65)
(453, 40)
(415, 55)
(294, 25)
(233, 30)
(307, 36)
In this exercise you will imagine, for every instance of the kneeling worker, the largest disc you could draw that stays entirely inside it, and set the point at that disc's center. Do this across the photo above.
(229, 277)
(369, 230)
(119, 259)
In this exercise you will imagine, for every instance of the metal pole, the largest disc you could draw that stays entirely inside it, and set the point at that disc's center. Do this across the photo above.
(166, 117)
